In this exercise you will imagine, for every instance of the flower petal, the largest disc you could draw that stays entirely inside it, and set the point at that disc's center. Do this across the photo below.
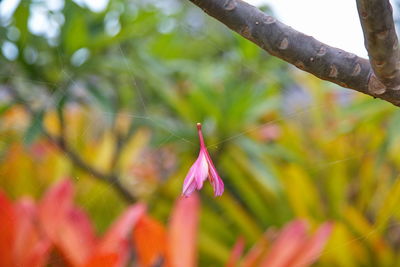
(189, 184)
(190, 189)
(202, 169)
(196, 175)
(215, 180)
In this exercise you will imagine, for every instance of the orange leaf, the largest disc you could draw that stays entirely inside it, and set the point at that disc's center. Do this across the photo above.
(149, 238)
(103, 260)
(182, 232)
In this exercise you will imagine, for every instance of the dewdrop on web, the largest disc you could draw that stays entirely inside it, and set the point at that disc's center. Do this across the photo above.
(202, 169)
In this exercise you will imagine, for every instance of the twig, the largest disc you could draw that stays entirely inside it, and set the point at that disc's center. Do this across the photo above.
(61, 143)
(80, 163)
(119, 142)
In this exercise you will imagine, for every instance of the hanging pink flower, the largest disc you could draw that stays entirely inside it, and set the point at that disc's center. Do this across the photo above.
(202, 168)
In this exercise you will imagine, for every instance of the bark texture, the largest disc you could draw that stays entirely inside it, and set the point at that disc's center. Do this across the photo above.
(303, 51)
(380, 37)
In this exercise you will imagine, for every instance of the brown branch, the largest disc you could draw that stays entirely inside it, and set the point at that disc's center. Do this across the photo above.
(376, 19)
(119, 142)
(61, 143)
(303, 51)
(80, 163)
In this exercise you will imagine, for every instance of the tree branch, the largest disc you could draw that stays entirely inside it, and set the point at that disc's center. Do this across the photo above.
(80, 163)
(380, 37)
(61, 143)
(303, 51)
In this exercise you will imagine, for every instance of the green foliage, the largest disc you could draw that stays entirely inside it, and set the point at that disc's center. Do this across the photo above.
(286, 144)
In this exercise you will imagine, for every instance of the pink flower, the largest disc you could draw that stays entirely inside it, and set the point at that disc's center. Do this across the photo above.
(202, 168)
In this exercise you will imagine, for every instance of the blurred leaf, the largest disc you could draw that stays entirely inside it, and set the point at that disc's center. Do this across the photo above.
(5, 108)
(21, 16)
(150, 241)
(30, 248)
(289, 241)
(34, 128)
(293, 248)
(74, 32)
(240, 217)
(213, 248)
(102, 100)
(103, 260)
(7, 230)
(66, 226)
(388, 207)
(313, 248)
(116, 240)
(236, 253)
(182, 232)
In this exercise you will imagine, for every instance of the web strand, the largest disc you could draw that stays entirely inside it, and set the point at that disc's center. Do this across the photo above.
(155, 124)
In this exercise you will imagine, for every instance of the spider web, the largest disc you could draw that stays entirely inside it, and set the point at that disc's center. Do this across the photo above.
(156, 125)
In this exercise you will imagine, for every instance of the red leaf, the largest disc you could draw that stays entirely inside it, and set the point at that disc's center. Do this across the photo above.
(30, 247)
(7, 231)
(150, 240)
(310, 251)
(236, 253)
(54, 207)
(65, 225)
(76, 239)
(292, 238)
(182, 232)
